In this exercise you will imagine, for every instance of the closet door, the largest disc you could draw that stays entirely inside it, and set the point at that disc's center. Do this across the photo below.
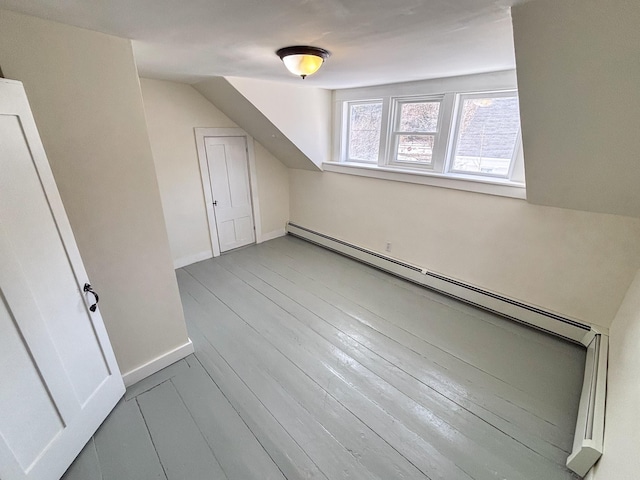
(58, 375)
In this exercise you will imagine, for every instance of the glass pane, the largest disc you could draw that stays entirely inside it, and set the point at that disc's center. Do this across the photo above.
(415, 148)
(419, 117)
(487, 135)
(365, 122)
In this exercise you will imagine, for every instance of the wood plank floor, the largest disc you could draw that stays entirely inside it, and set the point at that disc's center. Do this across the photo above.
(309, 365)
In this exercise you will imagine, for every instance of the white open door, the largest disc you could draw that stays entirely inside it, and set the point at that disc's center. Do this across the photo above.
(58, 375)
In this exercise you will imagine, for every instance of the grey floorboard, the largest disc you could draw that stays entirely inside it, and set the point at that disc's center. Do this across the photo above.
(337, 329)
(428, 319)
(124, 446)
(239, 452)
(499, 356)
(339, 451)
(290, 457)
(182, 449)
(309, 365)
(86, 465)
(401, 421)
(460, 379)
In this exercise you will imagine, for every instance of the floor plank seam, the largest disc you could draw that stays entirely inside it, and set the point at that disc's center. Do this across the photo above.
(239, 415)
(258, 399)
(95, 450)
(134, 397)
(164, 470)
(204, 437)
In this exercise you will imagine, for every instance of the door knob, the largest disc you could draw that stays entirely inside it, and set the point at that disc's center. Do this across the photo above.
(89, 289)
(215, 202)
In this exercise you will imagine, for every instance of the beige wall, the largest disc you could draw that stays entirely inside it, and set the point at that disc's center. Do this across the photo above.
(622, 435)
(84, 92)
(173, 110)
(574, 263)
(578, 74)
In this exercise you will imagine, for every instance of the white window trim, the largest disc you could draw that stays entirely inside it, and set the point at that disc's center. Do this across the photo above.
(485, 185)
(447, 89)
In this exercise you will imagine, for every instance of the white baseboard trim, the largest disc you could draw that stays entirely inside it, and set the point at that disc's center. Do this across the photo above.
(189, 259)
(157, 364)
(281, 232)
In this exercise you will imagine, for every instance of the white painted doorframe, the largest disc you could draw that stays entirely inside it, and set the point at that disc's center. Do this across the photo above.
(201, 136)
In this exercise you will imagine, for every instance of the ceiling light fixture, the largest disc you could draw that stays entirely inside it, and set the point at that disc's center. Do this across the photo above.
(301, 60)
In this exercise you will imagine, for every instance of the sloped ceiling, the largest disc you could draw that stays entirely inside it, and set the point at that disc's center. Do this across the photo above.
(243, 112)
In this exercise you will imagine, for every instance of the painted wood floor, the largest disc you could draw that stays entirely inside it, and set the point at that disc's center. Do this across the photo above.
(309, 365)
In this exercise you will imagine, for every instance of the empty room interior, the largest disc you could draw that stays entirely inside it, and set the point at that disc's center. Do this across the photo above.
(319, 239)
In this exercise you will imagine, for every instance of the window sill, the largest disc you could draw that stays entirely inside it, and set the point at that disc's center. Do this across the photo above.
(490, 186)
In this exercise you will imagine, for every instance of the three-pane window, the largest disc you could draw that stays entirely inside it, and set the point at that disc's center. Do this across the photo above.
(456, 134)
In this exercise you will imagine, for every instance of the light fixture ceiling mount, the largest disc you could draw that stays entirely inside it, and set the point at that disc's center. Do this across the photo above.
(303, 60)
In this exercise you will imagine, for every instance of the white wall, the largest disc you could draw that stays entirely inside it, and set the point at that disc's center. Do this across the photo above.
(302, 113)
(620, 460)
(574, 263)
(578, 72)
(173, 110)
(84, 91)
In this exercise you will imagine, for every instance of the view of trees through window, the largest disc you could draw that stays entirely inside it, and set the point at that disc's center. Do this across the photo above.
(421, 118)
(365, 122)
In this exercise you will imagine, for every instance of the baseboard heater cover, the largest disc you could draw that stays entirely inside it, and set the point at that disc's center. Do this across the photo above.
(589, 437)
(536, 317)
(589, 434)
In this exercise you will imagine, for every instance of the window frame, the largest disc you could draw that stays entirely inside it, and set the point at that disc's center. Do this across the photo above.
(449, 90)
(394, 133)
(454, 137)
(346, 131)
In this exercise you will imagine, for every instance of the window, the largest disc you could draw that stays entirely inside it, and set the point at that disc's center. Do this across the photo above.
(463, 134)
(365, 123)
(486, 134)
(415, 131)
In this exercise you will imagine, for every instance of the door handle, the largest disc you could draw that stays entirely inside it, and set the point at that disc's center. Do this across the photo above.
(215, 202)
(89, 289)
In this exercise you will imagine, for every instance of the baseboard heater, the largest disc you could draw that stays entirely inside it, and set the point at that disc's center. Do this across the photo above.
(589, 435)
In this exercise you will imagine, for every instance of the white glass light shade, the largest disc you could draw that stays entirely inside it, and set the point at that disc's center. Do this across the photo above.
(303, 60)
(302, 65)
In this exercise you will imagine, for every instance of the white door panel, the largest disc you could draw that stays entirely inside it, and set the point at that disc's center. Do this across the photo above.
(58, 375)
(18, 369)
(231, 190)
(31, 232)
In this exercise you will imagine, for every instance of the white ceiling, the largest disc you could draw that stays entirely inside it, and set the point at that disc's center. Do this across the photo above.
(372, 41)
